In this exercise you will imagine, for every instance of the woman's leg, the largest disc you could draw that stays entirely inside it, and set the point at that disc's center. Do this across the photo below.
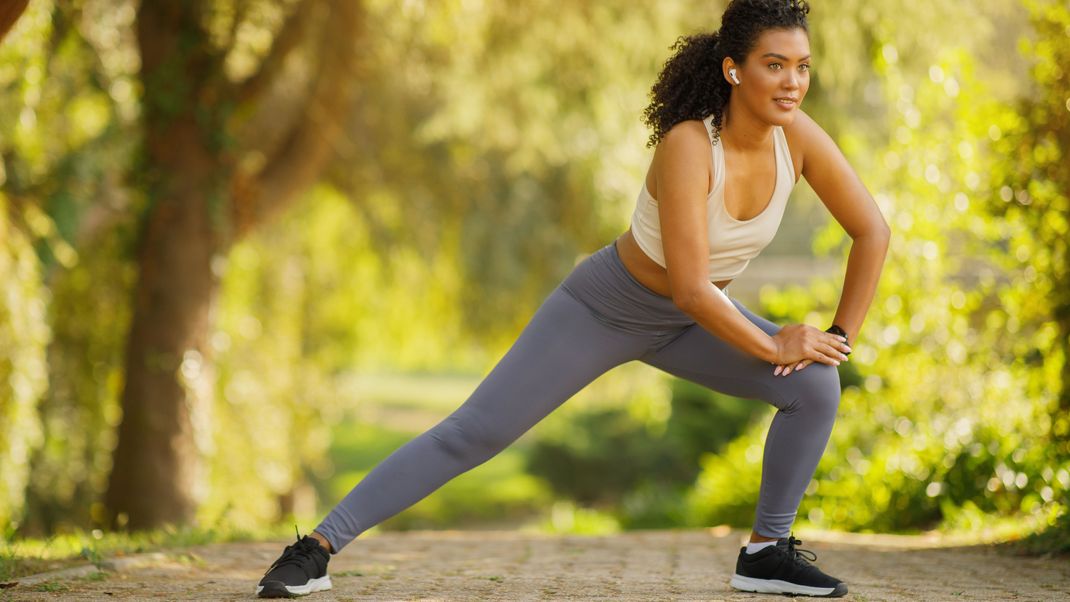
(806, 401)
(562, 349)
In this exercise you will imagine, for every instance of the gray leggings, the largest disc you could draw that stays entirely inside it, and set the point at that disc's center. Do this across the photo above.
(599, 317)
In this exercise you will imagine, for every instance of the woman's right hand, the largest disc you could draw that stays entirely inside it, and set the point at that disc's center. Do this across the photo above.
(798, 342)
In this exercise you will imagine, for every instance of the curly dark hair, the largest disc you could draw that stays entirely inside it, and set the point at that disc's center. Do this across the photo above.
(690, 85)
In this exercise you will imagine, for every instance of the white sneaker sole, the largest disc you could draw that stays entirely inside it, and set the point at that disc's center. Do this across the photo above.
(776, 586)
(314, 585)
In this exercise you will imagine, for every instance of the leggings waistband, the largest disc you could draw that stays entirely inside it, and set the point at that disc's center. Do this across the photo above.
(607, 288)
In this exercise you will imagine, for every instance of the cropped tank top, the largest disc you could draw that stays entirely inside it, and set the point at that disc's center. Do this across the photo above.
(733, 243)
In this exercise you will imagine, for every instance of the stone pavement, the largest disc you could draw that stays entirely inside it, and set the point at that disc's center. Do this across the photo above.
(515, 565)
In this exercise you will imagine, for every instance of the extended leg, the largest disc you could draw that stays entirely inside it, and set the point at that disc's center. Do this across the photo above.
(807, 402)
(561, 350)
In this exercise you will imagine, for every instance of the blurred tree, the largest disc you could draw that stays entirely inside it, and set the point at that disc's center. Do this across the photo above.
(221, 155)
(15, 410)
(24, 336)
(24, 332)
(10, 11)
(1034, 194)
(1032, 186)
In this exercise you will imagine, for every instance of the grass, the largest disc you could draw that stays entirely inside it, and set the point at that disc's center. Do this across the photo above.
(28, 556)
(50, 586)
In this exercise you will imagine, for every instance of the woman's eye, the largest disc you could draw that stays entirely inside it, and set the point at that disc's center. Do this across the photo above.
(804, 67)
(771, 65)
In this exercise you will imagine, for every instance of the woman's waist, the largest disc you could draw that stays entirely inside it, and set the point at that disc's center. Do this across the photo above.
(647, 271)
(604, 285)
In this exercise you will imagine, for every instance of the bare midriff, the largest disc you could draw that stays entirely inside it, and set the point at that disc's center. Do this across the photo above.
(643, 268)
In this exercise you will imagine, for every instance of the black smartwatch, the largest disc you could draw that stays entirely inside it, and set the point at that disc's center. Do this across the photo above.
(836, 330)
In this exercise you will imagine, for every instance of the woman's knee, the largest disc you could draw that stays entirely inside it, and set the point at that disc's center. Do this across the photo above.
(468, 439)
(815, 388)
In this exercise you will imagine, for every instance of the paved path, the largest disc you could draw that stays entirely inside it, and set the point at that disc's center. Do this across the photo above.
(511, 565)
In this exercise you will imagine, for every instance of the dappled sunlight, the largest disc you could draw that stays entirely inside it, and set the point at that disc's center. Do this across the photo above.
(282, 253)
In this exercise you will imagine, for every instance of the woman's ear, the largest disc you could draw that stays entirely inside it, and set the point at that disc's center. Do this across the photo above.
(730, 71)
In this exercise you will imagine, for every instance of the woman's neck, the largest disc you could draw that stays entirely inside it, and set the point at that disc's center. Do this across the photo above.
(744, 131)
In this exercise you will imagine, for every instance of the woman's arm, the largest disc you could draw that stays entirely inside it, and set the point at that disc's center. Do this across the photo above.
(842, 192)
(682, 166)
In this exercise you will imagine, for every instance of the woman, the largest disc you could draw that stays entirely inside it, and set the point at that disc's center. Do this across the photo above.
(731, 142)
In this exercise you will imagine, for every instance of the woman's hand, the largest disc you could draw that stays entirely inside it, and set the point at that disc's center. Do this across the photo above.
(799, 345)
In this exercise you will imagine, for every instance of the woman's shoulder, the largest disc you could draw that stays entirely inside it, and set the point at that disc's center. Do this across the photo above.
(688, 131)
(683, 154)
(687, 137)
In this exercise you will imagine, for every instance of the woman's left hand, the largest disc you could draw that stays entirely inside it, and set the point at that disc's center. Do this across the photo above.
(788, 368)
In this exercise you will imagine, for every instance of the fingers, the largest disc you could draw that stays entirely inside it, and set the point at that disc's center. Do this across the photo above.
(833, 352)
(788, 369)
(815, 356)
(838, 343)
(818, 356)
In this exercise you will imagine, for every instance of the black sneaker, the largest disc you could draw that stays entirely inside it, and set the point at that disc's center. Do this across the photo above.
(782, 569)
(301, 570)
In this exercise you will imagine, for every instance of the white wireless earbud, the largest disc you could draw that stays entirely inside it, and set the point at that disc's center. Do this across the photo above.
(732, 74)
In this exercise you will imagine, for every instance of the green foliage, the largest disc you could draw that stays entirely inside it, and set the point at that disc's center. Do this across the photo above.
(608, 458)
(498, 490)
(63, 116)
(50, 587)
(601, 455)
(24, 330)
(568, 518)
(531, 114)
(491, 147)
(1031, 193)
(89, 314)
(24, 335)
(726, 490)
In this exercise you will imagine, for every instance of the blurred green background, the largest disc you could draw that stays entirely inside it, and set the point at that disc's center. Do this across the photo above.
(248, 248)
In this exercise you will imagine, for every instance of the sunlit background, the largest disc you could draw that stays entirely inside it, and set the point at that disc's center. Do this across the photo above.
(249, 249)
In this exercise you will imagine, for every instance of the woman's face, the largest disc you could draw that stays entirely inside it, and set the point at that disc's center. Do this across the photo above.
(775, 75)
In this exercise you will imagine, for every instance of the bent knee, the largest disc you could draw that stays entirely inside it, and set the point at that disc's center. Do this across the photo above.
(817, 388)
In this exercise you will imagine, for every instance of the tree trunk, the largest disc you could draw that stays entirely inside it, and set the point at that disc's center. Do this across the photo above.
(198, 205)
(154, 478)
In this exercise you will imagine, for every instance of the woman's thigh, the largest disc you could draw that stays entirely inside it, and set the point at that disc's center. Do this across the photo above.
(563, 348)
(704, 358)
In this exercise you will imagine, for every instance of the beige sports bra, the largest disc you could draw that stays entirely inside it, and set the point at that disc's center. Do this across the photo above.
(733, 243)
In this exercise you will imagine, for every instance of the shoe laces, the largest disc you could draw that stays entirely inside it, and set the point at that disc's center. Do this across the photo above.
(298, 553)
(798, 555)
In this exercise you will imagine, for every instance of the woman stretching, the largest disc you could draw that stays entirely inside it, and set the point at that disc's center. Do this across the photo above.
(730, 143)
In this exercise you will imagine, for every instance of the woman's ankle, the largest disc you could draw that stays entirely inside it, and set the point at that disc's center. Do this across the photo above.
(322, 540)
(755, 538)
